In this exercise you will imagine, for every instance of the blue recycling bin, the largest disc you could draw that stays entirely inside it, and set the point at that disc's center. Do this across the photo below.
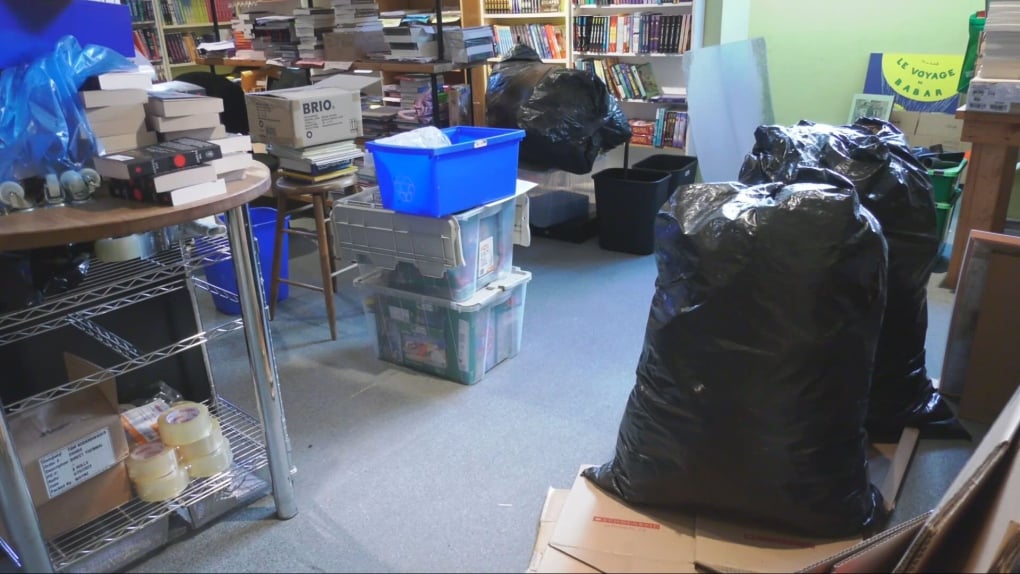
(263, 225)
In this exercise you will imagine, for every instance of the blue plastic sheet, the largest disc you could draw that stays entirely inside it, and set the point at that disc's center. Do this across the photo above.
(43, 128)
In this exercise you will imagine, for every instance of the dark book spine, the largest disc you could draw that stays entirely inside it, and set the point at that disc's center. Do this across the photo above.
(142, 190)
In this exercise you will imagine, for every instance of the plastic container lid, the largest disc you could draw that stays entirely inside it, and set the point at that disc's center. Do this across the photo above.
(481, 298)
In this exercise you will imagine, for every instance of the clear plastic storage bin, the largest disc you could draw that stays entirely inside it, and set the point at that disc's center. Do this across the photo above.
(457, 341)
(451, 257)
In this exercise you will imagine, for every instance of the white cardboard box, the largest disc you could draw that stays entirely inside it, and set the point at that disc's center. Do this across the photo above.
(302, 117)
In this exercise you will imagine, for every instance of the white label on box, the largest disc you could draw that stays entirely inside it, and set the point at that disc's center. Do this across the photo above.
(993, 97)
(77, 462)
(398, 314)
(463, 345)
(486, 256)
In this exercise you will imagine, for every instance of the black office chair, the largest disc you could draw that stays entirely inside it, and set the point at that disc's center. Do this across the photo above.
(234, 116)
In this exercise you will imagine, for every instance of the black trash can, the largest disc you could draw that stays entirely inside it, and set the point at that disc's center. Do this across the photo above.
(626, 201)
(682, 168)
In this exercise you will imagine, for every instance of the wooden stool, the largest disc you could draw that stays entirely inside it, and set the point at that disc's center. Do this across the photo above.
(318, 196)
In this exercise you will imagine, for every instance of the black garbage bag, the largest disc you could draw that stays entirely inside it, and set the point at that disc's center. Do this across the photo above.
(895, 187)
(568, 115)
(752, 386)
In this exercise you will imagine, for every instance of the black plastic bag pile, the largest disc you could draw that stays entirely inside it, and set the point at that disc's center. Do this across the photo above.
(568, 115)
(752, 387)
(893, 185)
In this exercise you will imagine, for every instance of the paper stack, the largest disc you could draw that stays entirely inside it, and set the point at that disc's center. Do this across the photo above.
(177, 115)
(310, 24)
(1000, 59)
(317, 163)
(275, 36)
(416, 43)
(467, 45)
(114, 105)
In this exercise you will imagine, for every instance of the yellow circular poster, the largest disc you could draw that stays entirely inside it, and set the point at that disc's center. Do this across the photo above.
(922, 77)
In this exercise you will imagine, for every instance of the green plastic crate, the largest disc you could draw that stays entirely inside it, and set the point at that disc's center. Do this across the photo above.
(943, 182)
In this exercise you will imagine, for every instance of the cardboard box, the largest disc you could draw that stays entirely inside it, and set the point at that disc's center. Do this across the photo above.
(72, 450)
(302, 117)
(930, 128)
(353, 45)
(592, 531)
(994, 96)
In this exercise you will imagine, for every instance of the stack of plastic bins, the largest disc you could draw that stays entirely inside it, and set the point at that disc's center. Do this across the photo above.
(440, 288)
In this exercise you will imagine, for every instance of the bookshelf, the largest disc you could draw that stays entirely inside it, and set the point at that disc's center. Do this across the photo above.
(541, 24)
(167, 31)
(637, 49)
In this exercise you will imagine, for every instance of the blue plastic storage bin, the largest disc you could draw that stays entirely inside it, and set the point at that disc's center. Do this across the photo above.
(263, 226)
(479, 167)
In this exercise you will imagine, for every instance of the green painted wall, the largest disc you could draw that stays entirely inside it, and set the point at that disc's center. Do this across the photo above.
(713, 21)
(818, 49)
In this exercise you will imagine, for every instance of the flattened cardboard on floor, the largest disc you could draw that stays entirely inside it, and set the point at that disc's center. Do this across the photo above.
(976, 476)
(554, 499)
(881, 552)
(601, 531)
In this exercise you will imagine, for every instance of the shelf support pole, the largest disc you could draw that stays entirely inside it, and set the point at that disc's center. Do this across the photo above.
(17, 508)
(262, 359)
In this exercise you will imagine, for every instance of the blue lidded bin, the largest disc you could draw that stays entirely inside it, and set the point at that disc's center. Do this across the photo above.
(263, 226)
(478, 168)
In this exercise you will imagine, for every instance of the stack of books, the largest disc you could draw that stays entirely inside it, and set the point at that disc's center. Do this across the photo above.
(415, 101)
(317, 163)
(115, 107)
(467, 45)
(170, 173)
(309, 25)
(416, 43)
(1000, 54)
(175, 115)
(236, 156)
(626, 81)
(275, 36)
(351, 14)
(379, 122)
(366, 172)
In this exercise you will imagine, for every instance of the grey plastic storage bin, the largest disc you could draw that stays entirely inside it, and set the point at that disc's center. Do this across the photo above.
(555, 207)
(448, 257)
(457, 341)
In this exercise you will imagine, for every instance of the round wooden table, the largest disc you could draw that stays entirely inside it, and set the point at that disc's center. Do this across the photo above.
(109, 217)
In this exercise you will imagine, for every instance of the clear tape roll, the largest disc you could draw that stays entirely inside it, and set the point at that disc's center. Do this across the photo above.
(164, 487)
(184, 423)
(127, 248)
(151, 461)
(211, 464)
(205, 446)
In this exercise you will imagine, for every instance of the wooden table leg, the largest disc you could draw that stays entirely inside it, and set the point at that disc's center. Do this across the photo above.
(985, 199)
(325, 262)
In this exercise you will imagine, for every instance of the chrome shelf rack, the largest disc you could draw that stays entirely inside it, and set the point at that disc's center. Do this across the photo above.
(258, 444)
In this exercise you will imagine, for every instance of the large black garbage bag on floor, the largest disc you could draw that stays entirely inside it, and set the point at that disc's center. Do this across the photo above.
(894, 186)
(753, 383)
(568, 115)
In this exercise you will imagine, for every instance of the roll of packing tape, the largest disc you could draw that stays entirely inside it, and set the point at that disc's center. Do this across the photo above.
(151, 461)
(213, 463)
(184, 423)
(203, 447)
(127, 248)
(164, 487)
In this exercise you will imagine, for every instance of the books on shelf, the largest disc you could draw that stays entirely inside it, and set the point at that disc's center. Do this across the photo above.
(180, 47)
(632, 2)
(637, 33)
(626, 81)
(147, 42)
(545, 39)
(521, 6)
(178, 12)
(141, 10)
(670, 129)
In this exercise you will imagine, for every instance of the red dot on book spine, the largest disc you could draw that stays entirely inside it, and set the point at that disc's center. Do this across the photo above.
(179, 160)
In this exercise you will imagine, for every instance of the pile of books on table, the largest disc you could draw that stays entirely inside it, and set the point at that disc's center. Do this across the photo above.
(317, 163)
(169, 173)
(114, 105)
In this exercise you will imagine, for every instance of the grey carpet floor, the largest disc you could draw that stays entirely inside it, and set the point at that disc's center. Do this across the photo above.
(404, 472)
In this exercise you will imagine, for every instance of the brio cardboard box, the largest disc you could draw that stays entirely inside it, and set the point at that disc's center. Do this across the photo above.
(72, 450)
(302, 117)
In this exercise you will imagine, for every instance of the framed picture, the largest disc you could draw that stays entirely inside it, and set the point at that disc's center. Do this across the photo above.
(870, 106)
